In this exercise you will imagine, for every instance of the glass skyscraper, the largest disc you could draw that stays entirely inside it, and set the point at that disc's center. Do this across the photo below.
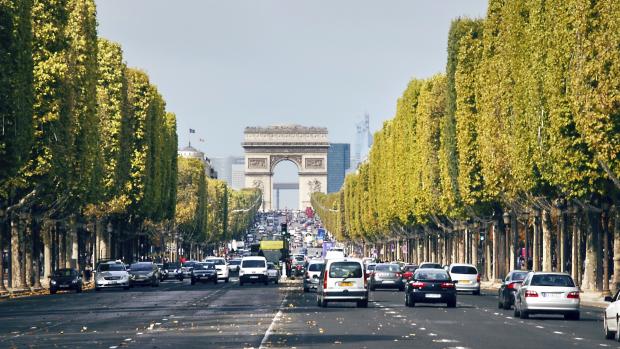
(338, 162)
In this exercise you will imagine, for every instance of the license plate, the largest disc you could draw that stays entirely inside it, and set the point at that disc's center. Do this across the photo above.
(388, 281)
(253, 277)
(344, 284)
(64, 286)
(464, 282)
(432, 295)
(551, 295)
(113, 282)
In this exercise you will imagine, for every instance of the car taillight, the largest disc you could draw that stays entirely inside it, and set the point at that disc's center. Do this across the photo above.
(478, 278)
(511, 286)
(531, 294)
(573, 295)
(398, 275)
(417, 284)
(325, 281)
(447, 285)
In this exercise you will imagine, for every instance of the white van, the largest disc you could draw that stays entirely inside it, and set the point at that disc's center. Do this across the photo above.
(253, 269)
(343, 280)
(466, 277)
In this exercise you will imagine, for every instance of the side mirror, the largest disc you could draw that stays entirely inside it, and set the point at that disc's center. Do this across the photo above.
(608, 299)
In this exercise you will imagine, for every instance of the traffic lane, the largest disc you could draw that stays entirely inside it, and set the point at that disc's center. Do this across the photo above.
(588, 327)
(305, 325)
(473, 324)
(237, 317)
(106, 318)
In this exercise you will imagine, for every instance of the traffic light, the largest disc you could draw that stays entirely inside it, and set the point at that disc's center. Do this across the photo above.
(284, 230)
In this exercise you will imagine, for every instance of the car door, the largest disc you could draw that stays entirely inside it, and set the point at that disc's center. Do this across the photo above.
(522, 290)
(502, 287)
(611, 312)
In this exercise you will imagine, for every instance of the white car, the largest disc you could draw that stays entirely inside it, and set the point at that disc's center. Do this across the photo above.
(253, 269)
(111, 275)
(547, 293)
(343, 280)
(221, 266)
(466, 277)
(611, 318)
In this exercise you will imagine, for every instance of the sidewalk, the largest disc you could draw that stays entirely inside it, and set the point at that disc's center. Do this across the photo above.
(588, 299)
(28, 292)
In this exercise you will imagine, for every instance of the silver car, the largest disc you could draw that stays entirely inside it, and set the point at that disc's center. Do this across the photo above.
(466, 277)
(386, 276)
(547, 293)
(311, 278)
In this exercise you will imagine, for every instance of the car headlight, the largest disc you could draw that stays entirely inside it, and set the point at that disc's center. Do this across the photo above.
(53, 282)
(265, 272)
(240, 271)
(74, 281)
(149, 275)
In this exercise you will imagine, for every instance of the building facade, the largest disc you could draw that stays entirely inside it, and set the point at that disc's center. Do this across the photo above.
(193, 153)
(231, 170)
(338, 162)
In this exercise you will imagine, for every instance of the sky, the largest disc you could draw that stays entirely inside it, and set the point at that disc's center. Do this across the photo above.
(224, 65)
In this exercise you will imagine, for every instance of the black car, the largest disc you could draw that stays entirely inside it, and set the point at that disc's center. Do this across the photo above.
(510, 287)
(172, 271)
(66, 279)
(144, 273)
(204, 272)
(430, 286)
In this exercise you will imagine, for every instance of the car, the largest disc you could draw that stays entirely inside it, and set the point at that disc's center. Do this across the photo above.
(466, 277)
(186, 269)
(298, 267)
(430, 286)
(144, 273)
(611, 317)
(368, 260)
(253, 269)
(343, 280)
(172, 271)
(547, 293)
(386, 276)
(430, 265)
(203, 272)
(111, 274)
(65, 279)
(313, 272)
(233, 264)
(273, 273)
(408, 271)
(221, 266)
(370, 268)
(509, 287)
(162, 271)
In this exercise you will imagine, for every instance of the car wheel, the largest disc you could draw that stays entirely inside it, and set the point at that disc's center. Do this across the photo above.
(452, 304)
(507, 305)
(318, 301)
(608, 334)
(266, 283)
(78, 290)
(226, 280)
(240, 283)
(407, 300)
(193, 282)
(617, 334)
(362, 303)
(401, 288)
(52, 291)
(500, 304)
(516, 313)
(524, 315)
(306, 289)
(97, 289)
(125, 288)
(323, 303)
(215, 282)
(275, 281)
(476, 293)
(372, 287)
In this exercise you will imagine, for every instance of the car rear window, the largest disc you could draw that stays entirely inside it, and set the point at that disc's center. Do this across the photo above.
(253, 264)
(216, 261)
(460, 269)
(519, 276)
(371, 267)
(345, 270)
(552, 280)
(141, 267)
(388, 267)
(64, 272)
(235, 262)
(411, 268)
(316, 267)
(111, 267)
(422, 274)
(430, 266)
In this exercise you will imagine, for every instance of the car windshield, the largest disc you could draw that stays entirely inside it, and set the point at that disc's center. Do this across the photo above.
(388, 267)
(299, 258)
(171, 265)
(345, 270)
(253, 263)
(518, 276)
(141, 267)
(552, 280)
(271, 266)
(316, 267)
(203, 266)
(411, 268)
(438, 275)
(462, 269)
(371, 267)
(234, 262)
(64, 273)
(110, 267)
(216, 261)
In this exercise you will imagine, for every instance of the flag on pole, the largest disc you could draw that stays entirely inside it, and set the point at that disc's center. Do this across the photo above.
(191, 130)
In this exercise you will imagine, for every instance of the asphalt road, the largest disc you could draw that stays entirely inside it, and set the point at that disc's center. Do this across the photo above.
(178, 315)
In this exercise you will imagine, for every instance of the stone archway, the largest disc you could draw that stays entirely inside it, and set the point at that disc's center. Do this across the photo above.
(265, 147)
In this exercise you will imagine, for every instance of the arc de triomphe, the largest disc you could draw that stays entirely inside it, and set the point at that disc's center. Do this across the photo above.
(306, 147)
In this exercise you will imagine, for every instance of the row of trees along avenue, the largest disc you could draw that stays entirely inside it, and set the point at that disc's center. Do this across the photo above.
(88, 152)
(513, 152)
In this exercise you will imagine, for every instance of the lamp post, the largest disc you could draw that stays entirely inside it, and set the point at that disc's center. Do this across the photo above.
(536, 242)
(510, 253)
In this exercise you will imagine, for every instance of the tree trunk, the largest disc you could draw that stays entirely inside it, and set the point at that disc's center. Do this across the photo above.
(47, 250)
(28, 245)
(2, 266)
(474, 249)
(495, 253)
(562, 243)
(546, 240)
(36, 253)
(589, 276)
(535, 243)
(605, 233)
(575, 248)
(616, 236)
(72, 245)
(487, 255)
(16, 263)
(62, 246)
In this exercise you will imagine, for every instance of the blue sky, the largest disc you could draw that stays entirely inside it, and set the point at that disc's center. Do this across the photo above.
(223, 65)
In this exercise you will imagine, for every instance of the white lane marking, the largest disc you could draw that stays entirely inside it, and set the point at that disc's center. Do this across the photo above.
(558, 332)
(273, 323)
